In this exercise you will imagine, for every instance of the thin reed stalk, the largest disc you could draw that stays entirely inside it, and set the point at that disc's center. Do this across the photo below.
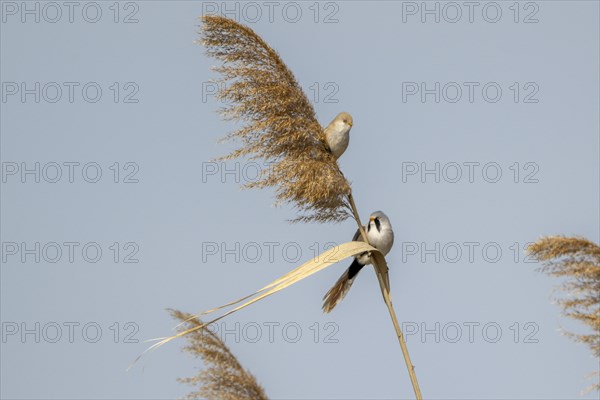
(383, 283)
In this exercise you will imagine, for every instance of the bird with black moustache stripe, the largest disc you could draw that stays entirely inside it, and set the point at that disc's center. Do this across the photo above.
(379, 235)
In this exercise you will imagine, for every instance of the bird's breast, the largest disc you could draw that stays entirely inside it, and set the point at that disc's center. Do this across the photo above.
(382, 241)
(338, 140)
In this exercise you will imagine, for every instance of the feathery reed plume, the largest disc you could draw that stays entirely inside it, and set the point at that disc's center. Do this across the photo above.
(279, 123)
(224, 378)
(578, 261)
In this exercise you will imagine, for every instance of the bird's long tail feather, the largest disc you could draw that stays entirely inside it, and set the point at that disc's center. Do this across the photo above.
(341, 287)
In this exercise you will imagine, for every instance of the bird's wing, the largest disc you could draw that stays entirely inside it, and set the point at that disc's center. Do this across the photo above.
(357, 236)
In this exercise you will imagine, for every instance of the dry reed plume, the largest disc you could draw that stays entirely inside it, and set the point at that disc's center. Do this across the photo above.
(577, 260)
(279, 123)
(225, 378)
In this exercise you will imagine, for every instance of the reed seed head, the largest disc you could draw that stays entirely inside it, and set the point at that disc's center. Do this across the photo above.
(278, 123)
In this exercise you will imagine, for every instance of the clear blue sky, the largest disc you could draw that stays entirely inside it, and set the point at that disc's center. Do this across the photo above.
(517, 97)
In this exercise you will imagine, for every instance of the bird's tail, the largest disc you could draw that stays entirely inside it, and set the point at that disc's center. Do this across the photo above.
(341, 287)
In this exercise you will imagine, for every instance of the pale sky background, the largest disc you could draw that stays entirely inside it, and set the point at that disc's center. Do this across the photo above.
(174, 214)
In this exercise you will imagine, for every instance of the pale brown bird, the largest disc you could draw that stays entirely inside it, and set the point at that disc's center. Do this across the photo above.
(379, 235)
(337, 134)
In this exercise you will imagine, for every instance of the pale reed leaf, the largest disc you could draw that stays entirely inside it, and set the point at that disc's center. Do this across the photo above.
(324, 260)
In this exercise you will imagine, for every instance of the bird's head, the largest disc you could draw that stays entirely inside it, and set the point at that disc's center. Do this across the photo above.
(379, 221)
(344, 119)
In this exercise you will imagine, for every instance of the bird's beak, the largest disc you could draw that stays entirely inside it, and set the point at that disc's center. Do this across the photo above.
(350, 123)
(372, 219)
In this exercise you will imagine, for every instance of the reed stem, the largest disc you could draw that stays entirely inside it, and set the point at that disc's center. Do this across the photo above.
(388, 302)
